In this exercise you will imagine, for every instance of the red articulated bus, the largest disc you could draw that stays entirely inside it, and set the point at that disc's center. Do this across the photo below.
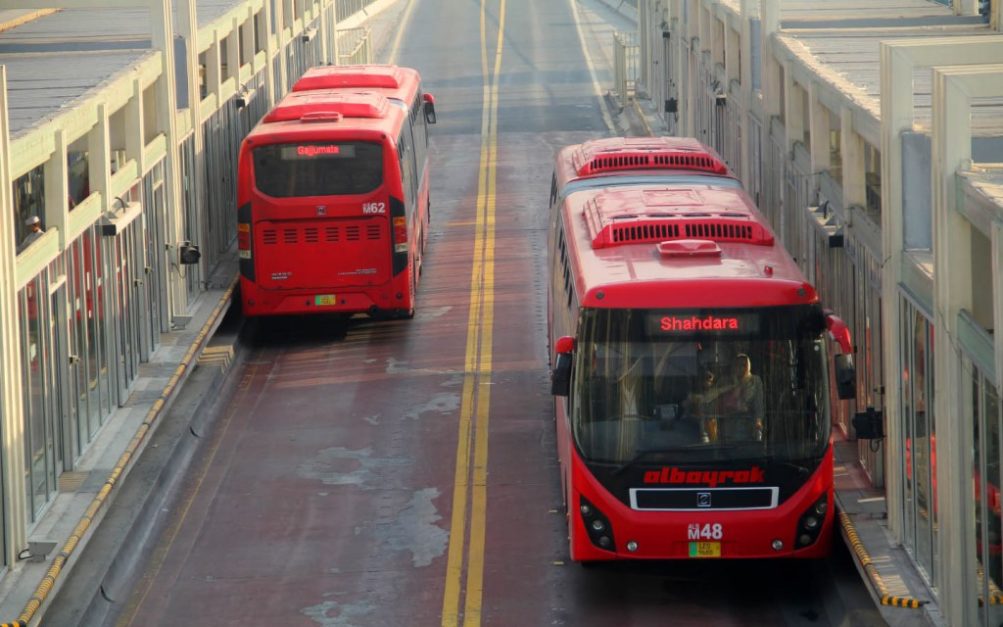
(621, 161)
(691, 378)
(333, 197)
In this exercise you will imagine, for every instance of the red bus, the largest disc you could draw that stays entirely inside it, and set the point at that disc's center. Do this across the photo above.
(333, 201)
(621, 161)
(691, 378)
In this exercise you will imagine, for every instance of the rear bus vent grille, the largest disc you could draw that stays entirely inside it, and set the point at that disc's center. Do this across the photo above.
(645, 229)
(625, 153)
(671, 161)
(316, 235)
(690, 162)
(720, 231)
(652, 232)
(662, 160)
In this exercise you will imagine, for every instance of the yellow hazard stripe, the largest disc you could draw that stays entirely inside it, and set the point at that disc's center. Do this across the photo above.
(868, 565)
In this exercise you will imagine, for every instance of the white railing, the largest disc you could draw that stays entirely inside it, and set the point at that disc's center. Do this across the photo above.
(344, 8)
(625, 65)
(354, 46)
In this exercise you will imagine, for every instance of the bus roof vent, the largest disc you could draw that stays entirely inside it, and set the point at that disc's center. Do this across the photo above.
(614, 221)
(632, 153)
(326, 105)
(321, 116)
(362, 76)
(689, 248)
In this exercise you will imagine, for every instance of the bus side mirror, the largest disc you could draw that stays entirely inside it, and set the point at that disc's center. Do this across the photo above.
(846, 373)
(846, 377)
(429, 108)
(560, 378)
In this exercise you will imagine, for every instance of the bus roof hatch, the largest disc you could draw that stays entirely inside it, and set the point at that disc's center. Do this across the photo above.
(317, 105)
(637, 153)
(363, 76)
(618, 217)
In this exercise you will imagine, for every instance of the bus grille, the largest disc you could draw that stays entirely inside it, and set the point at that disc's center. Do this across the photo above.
(316, 235)
(704, 499)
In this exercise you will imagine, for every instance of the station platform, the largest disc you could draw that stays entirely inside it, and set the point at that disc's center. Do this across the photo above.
(895, 584)
(87, 492)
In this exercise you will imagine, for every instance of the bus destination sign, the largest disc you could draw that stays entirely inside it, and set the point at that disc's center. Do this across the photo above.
(684, 322)
(312, 151)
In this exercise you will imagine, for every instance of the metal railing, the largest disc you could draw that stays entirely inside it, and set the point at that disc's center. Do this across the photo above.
(625, 65)
(354, 46)
(344, 8)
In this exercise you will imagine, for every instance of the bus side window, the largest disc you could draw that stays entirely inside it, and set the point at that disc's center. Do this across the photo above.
(405, 154)
(420, 129)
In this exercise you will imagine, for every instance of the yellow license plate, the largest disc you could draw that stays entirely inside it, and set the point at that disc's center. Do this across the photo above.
(705, 549)
(323, 299)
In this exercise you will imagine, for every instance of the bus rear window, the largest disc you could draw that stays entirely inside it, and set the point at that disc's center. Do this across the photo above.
(318, 168)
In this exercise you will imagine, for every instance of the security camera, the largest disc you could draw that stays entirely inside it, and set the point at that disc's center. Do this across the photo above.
(188, 253)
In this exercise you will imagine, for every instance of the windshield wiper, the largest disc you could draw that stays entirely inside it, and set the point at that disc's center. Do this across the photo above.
(772, 461)
(645, 452)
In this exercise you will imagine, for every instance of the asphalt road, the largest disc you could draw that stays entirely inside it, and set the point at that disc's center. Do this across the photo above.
(404, 473)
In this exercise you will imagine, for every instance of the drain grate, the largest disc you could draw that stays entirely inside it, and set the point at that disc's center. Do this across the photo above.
(71, 481)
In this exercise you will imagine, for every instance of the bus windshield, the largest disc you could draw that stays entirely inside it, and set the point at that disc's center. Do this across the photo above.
(318, 168)
(700, 386)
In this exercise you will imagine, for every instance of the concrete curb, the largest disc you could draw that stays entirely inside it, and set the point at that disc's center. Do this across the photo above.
(896, 610)
(865, 562)
(101, 583)
(86, 526)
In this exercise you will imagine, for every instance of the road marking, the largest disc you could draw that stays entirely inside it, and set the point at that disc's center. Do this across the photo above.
(596, 89)
(401, 27)
(470, 480)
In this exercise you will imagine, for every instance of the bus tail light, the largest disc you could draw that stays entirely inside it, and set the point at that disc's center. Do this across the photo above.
(400, 234)
(597, 525)
(244, 240)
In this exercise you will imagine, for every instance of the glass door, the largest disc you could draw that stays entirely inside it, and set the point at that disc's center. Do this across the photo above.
(61, 383)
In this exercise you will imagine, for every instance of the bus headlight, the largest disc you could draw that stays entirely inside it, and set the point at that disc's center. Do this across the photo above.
(596, 524)
(811, 522)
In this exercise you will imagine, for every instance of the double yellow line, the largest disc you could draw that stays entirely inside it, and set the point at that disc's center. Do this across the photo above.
(465, 561)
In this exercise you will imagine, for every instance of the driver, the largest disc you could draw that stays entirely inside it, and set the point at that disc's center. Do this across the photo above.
(744, 394)
(700, 402)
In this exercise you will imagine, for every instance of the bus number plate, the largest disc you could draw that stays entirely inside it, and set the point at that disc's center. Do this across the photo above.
(323, 299)
(705, 549)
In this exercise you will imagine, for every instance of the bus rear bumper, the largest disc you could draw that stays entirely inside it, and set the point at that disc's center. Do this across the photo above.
(259, 302)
